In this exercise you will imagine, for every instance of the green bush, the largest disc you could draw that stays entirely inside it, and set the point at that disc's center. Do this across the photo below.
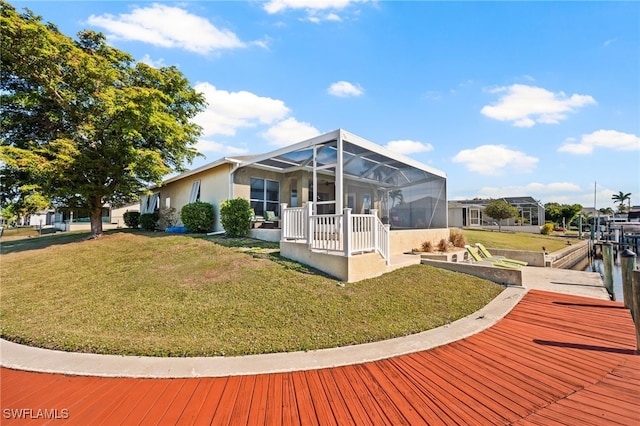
(198, 216)
(235, 216)
(149, 221)
(131, 219)
(546, 228)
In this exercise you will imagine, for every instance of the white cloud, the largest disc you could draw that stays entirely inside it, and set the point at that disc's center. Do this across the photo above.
(495, 159)
(316, 10)
(289, 131)
(167, 26)
(344, 89)
(408, 146)
(146, 59)
(527, 105)
(610, 139)
(276, 6)
(534, 189)
(220, 149)
(228, 111)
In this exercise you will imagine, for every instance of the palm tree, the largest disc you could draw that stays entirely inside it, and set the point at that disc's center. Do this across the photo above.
(621, 197)
(396, 194)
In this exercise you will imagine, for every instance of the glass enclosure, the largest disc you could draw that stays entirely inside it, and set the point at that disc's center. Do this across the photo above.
(338, 173)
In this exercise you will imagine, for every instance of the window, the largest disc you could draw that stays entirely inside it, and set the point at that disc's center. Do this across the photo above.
(167, 202)
(150, 203)
(265, 196)
(195, 192)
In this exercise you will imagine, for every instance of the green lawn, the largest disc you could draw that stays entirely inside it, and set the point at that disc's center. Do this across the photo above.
(178, 295)
(514, 241)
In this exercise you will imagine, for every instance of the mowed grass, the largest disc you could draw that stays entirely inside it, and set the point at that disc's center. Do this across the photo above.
(135, 293)
(514, 241)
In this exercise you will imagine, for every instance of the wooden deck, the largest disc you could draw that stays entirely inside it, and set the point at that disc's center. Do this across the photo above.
(554, 360)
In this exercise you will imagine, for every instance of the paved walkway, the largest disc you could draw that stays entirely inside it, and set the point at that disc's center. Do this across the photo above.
(535, 357)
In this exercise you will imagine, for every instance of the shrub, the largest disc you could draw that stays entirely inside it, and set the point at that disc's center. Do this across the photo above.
(131, 219)
(443, 245)
(546, 228)
(168, 217)
(235, 216)
(427, 246)
(198, 216)
(149, 221)
(456, 237)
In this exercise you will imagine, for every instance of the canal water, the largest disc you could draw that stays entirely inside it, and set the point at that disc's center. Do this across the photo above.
(598, 266)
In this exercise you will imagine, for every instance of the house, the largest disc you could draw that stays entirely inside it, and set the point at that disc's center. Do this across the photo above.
(78, 219)
(333, 199)
(470, 213)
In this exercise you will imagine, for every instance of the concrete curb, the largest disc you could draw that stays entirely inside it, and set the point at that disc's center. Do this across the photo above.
(20, 357)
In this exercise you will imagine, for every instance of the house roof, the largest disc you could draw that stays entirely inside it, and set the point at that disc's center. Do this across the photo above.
(514, 201)
(362, 160)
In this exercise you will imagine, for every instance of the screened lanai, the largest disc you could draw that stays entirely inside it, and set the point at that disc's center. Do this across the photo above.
(340, 170)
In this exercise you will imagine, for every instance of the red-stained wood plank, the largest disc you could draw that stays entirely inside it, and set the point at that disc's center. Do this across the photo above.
(228, 400)
(388, 409)
(176, 409)
(158, 409)
(341, 413)
(321, 405)
(195, 405)
(304, 401)
(440, 402)
(258, 404)
(140, 389)
(146, 402)
(452, 395)
(291, 412)
(274, 404)
(204, 414)
(350, 400)
(362, 395)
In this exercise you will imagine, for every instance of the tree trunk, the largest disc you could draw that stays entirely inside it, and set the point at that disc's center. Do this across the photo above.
(96, 222)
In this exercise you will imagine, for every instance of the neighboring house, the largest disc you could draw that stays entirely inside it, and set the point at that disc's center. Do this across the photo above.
(42, 218)
(336, 193)
(470, 213)
(77, 219)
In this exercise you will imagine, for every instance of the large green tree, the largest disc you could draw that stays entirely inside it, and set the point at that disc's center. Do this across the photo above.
(82, 122)
(499, 210)
(620, 198)
(562, 213)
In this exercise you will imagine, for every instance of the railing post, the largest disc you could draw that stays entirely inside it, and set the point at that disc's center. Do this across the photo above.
(346, 224)
(387, 243)
(308, 220)
(374, 225)
(284, 232)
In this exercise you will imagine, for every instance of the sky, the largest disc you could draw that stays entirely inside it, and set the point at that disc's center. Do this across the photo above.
(536, 99)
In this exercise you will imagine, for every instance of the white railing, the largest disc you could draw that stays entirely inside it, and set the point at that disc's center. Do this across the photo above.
(382, 239)
(366, 233)
(326, 232)
(294, 222)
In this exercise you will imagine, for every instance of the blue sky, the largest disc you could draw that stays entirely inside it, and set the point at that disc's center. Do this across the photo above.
(507, 98)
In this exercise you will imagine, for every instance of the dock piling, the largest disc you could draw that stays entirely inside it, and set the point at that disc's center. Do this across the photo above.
(628, 264)
(635, 306)
(607, 260)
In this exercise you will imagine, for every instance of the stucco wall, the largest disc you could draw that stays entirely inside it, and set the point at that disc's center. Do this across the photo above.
(214, 189)
(495, 274)
(407, 239)
(347, 269)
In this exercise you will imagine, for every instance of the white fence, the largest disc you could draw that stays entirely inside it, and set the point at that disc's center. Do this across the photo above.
(365, 232)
